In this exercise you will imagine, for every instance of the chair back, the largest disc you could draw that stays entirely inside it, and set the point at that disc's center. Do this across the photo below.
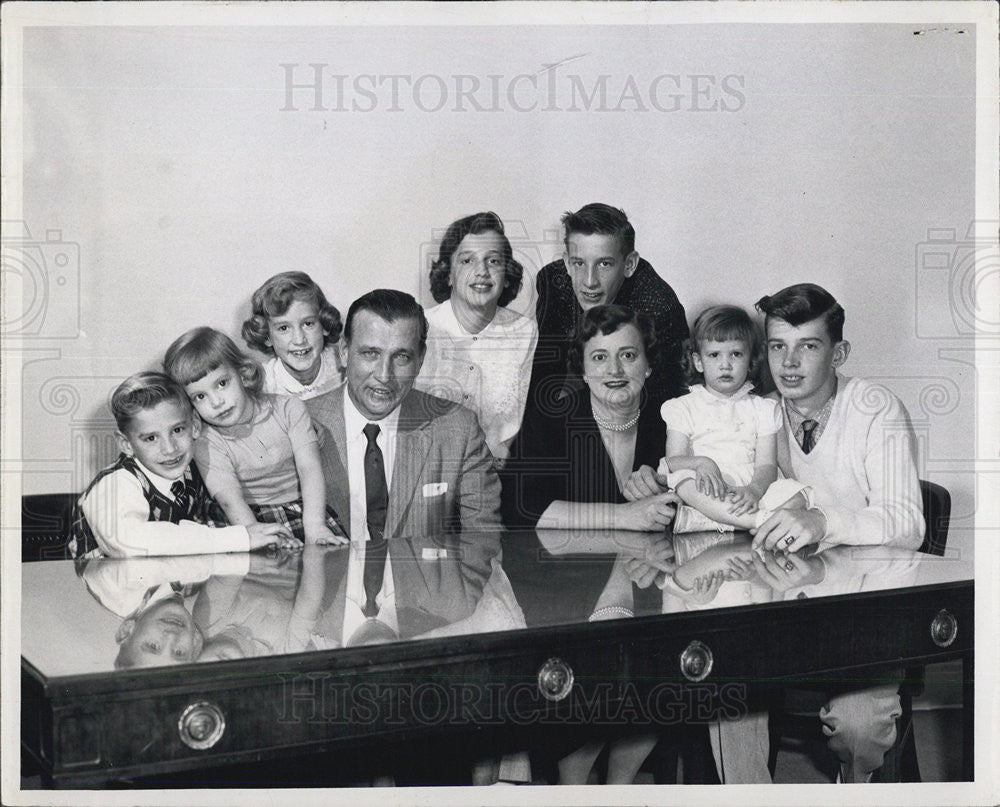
(937, 516)
(45, 522)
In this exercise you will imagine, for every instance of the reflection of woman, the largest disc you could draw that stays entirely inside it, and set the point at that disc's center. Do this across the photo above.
(478, 352)
(572, 457)
(569, 464)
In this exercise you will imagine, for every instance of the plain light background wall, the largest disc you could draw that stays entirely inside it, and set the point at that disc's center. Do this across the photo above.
(821, 153)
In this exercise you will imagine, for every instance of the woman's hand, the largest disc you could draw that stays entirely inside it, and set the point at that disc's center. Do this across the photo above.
(708, 479)
(644, 482)
(742, 500)
(649, 514)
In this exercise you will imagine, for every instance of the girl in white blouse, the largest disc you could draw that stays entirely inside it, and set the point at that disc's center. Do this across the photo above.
(479, 353)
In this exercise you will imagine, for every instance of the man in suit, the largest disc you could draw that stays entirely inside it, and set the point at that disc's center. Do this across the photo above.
(409, 474)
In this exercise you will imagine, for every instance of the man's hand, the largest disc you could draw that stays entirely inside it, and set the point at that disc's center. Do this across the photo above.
(783, 572)
(644, 482)
(790, 531)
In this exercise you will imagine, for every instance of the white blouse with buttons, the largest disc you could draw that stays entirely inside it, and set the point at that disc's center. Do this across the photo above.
(488, 372)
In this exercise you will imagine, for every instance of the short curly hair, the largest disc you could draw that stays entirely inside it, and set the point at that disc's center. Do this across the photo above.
(721, 323)
(198, 352)
(607, 319)
(475, 224)
(274, 297)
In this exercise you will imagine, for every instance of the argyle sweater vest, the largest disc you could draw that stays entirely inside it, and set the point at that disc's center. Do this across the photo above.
(199, 506)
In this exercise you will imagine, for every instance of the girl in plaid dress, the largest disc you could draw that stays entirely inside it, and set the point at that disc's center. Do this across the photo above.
(258, 452)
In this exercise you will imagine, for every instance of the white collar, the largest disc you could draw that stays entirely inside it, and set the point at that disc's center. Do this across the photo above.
(161, 483)
(739, 395)
(287, 381)
(448, 321)
(355, 422)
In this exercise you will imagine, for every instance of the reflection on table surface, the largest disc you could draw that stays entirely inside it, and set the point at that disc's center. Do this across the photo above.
(125, 613)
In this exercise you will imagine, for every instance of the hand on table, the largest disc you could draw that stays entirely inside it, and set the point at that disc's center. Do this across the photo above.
(790, 531)
(786, 571)
(649, 514)
(274, 535)
(705, 588)
(323, 535)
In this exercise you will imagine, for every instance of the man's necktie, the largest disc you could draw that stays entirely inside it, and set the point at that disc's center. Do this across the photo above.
(179, 490)
(808, 438)
(377, 500)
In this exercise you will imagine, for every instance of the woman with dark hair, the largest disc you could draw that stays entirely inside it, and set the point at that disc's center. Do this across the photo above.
(478, 352)
(573, 456)
(568, 467)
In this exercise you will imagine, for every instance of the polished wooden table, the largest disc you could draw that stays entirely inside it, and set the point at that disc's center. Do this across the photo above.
(286, 665)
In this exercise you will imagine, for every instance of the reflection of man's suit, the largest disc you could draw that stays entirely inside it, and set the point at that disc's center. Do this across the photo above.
(444, 496)
(429, 594)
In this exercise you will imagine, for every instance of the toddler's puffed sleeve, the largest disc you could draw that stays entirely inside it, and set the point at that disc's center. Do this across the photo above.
(768, 415)
(676, 413)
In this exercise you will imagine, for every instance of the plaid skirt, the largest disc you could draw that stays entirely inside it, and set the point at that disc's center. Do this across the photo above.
(290, 514)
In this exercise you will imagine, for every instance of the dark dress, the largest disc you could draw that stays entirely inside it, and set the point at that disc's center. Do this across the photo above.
(559, 456)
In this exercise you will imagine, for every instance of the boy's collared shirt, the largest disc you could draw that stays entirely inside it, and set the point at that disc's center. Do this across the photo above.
(822, 417)
(117, 511)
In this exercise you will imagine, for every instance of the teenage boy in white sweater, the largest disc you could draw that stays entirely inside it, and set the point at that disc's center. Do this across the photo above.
(851, 441)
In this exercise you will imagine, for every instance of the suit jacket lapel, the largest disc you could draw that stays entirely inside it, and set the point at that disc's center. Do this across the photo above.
(413, 444)
(331, 418)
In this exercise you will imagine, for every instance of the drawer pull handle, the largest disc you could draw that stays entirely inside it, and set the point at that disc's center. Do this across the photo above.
(944, 628)
(555, 679)
(696, 661)
(201, 725)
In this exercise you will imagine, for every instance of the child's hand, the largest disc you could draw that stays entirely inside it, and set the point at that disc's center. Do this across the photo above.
(706, 587)
(742, 500)
(263, 535)
(740, 569)
(323, 536)
(708, 479)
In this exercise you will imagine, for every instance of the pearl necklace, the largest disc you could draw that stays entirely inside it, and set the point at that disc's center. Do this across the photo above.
(616, 427)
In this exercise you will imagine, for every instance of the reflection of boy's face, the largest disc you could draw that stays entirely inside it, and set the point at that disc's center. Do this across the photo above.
(163, 634)
(221, 648)
(162, 438)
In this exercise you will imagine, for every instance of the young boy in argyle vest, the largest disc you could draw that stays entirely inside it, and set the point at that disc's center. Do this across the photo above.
(151, 500)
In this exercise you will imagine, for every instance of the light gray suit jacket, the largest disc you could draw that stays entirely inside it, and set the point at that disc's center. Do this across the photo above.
(444, 496)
